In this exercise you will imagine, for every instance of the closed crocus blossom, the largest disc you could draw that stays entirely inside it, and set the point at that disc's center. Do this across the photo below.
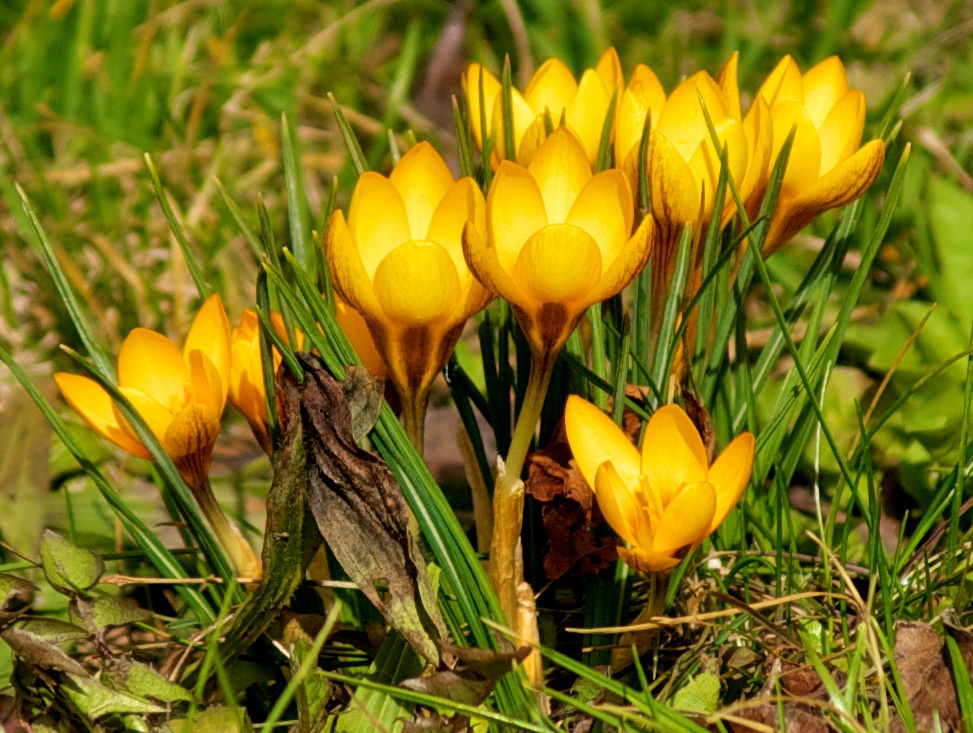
(683, 160)
(828, 166)
(247, 392)
(582, 102)
(398, 261)
(664, 500)
(180, 394)
(559, 239)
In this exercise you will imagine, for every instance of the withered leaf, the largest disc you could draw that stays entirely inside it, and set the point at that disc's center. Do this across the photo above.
(700, 418)
(12, 718)
(926, 672)
(36, 651)
(365, 395)
(568, 510)
(800, 682)
(473, 679)
(437, 724)
(291, 536)
(362, 515)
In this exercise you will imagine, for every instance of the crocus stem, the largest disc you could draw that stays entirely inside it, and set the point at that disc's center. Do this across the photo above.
(541, 368)
(506, 553)
(414, 417)
(241, 555)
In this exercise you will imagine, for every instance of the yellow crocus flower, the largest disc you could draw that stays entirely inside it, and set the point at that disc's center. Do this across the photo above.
(247, 393)
(559, 239)
(583, 103)
(683, 163)
(398, 261)
(181, 395)
(664, 501)
(828, 167)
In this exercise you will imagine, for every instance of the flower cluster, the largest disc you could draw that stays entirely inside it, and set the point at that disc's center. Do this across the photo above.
(555, 232)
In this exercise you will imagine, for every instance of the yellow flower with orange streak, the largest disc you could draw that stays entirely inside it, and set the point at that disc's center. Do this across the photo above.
(398, 260)
(828, 166)
(583, 102)
(664, 500)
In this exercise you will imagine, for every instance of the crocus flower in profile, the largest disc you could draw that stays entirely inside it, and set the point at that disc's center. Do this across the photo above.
(398, 261)
(683, 162)
(666, 501)
(828, 167)
(553, 89)
(180, 394)
(559, 240)
(247, 390)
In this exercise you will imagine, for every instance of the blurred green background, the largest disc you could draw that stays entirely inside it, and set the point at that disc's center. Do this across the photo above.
(88, 86)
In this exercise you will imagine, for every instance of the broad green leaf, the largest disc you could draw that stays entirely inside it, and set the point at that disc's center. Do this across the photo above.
(68, 568)
(144, 681)
(214, 720)
(105, 611)
(96, 700)
(53, 630)
(15, 592)
(701, 693)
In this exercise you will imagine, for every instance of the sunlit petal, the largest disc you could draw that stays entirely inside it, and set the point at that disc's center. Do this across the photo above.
(784, 84)
(491, 90)
(841, 133)
(561, 169)
(210, 335)
(515, 211)
(587, 112)
(675, 196)
(87, 398)
(616, 502)
(643, 95)
(348, 272)
(462, 202)
(416, 284)
(804, 163)
(377, 219)
(629, 262)
(486, 267)
(422, 179)
(686, 519)
(559, 264)
(152, 364)
(672, 453)
(646, 561)
(605, 208)
(594, 438)
(824, 85)
(730, 474)
(356, 330)
(682, 121)
(727, 81)
(156, 416)
(552, 87)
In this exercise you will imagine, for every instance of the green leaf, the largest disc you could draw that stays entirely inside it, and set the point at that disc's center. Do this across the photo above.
(951, 218)
(214, 720)
(96, 700)
(15, 592)
(68, 568)
(144, 681)
(701, 693)
(36, 651)
(53, 630)
(106, 611)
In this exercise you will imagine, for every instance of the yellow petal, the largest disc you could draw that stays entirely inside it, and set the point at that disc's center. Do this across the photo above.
(152, 364)
(646, 561)
(93, 404)
(422, 179)
(561, 169)
(356, 330)
(523, 117)
(462, 202)
(531, 141)
(190, 439)
(643, 95)
(560, 264)
(675, 197)
(727, 80)
(207, 387)
(552, 87)
(682, 121)
(348, 272)
(846, 182)
(824, 85)
(210, 335)
(595, 438)
(515, 211)
(605, 208)
(730, 474)
(487, 269)
(156, 416)
(672, 453)
(609, 70)
(491, 89)
(686, 519)
(841, 133)
(417, 285)
(705, 163)
(587, 112)
(616, 502)
(628, 263)
(377, 219)
(784, 84)
(759, 130)
(805, 158)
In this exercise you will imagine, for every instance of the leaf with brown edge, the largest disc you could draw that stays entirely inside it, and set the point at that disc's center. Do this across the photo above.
(568, 510)
(473, 678)
(362, 515)
(36, 651)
